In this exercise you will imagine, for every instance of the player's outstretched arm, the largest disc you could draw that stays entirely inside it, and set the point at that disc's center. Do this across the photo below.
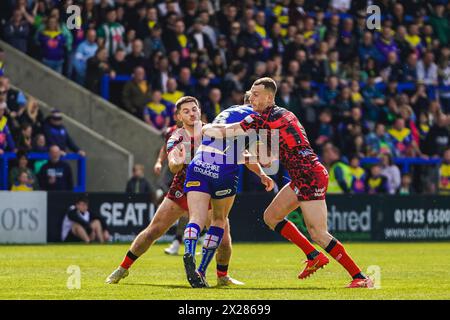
(221, 131)
(259, 151)
(162, 156)
(265, 179)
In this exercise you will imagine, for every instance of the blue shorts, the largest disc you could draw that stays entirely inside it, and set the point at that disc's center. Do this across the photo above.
(218, 180)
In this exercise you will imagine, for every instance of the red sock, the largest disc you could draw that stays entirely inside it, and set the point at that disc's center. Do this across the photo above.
(129, 259)
(288, 230)
(337, 251)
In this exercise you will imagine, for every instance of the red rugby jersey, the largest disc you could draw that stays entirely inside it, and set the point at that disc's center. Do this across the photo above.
(294, 149)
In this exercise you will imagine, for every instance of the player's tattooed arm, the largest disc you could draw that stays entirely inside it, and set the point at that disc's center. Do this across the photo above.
(219, 131)
(176, 158)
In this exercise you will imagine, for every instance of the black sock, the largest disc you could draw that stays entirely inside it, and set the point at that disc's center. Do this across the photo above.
(359, 276)
(131, 255)
(331, 245)
(222, 270)
(179, 238)
(222, 267)
(280, 225)
(312, 255)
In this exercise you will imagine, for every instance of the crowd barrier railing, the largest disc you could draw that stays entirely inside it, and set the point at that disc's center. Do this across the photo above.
(80, 185)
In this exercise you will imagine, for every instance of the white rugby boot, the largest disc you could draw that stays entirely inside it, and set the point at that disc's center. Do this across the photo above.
(117, 275)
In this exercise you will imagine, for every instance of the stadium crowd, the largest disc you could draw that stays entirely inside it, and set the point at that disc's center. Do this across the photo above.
(23, 130)
(358, 92)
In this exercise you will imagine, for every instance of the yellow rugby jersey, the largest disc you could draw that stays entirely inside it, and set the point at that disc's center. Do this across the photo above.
(3, 122)
(423, 130)
(357, 97)
(182, 40)
(21, 187)
(261, 31)
(217, 109)
(444, 179)
(400, 135)
(413, 40)
(357, 172)
(374, 183)
(359, 176)
(282, 15)
(172, 97)
(156, 107)
(51, 34)
(151, 24)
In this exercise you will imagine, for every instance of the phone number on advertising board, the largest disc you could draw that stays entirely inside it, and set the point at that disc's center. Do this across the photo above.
(420, 216)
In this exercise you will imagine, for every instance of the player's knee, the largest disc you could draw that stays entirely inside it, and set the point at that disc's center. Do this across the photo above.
(270, 219)
(219, 220)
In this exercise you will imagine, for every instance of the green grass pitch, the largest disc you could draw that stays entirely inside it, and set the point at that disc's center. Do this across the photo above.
(408, 271)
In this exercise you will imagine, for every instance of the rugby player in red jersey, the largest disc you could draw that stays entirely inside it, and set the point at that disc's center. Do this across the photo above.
(174, 204)
(157, 169)
(309, 181)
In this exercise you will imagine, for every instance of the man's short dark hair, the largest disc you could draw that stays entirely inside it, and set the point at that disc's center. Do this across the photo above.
(184, 100)
(137, 67)
(268, 83)
(82, 198)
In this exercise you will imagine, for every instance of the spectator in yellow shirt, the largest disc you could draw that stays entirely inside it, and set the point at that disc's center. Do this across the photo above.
(23, 183)
(444, 174)
(172, 95)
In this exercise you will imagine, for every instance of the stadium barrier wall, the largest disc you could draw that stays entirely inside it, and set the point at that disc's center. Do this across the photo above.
(355, 218)
(23, 217)
(125, 214)
(36, 217)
